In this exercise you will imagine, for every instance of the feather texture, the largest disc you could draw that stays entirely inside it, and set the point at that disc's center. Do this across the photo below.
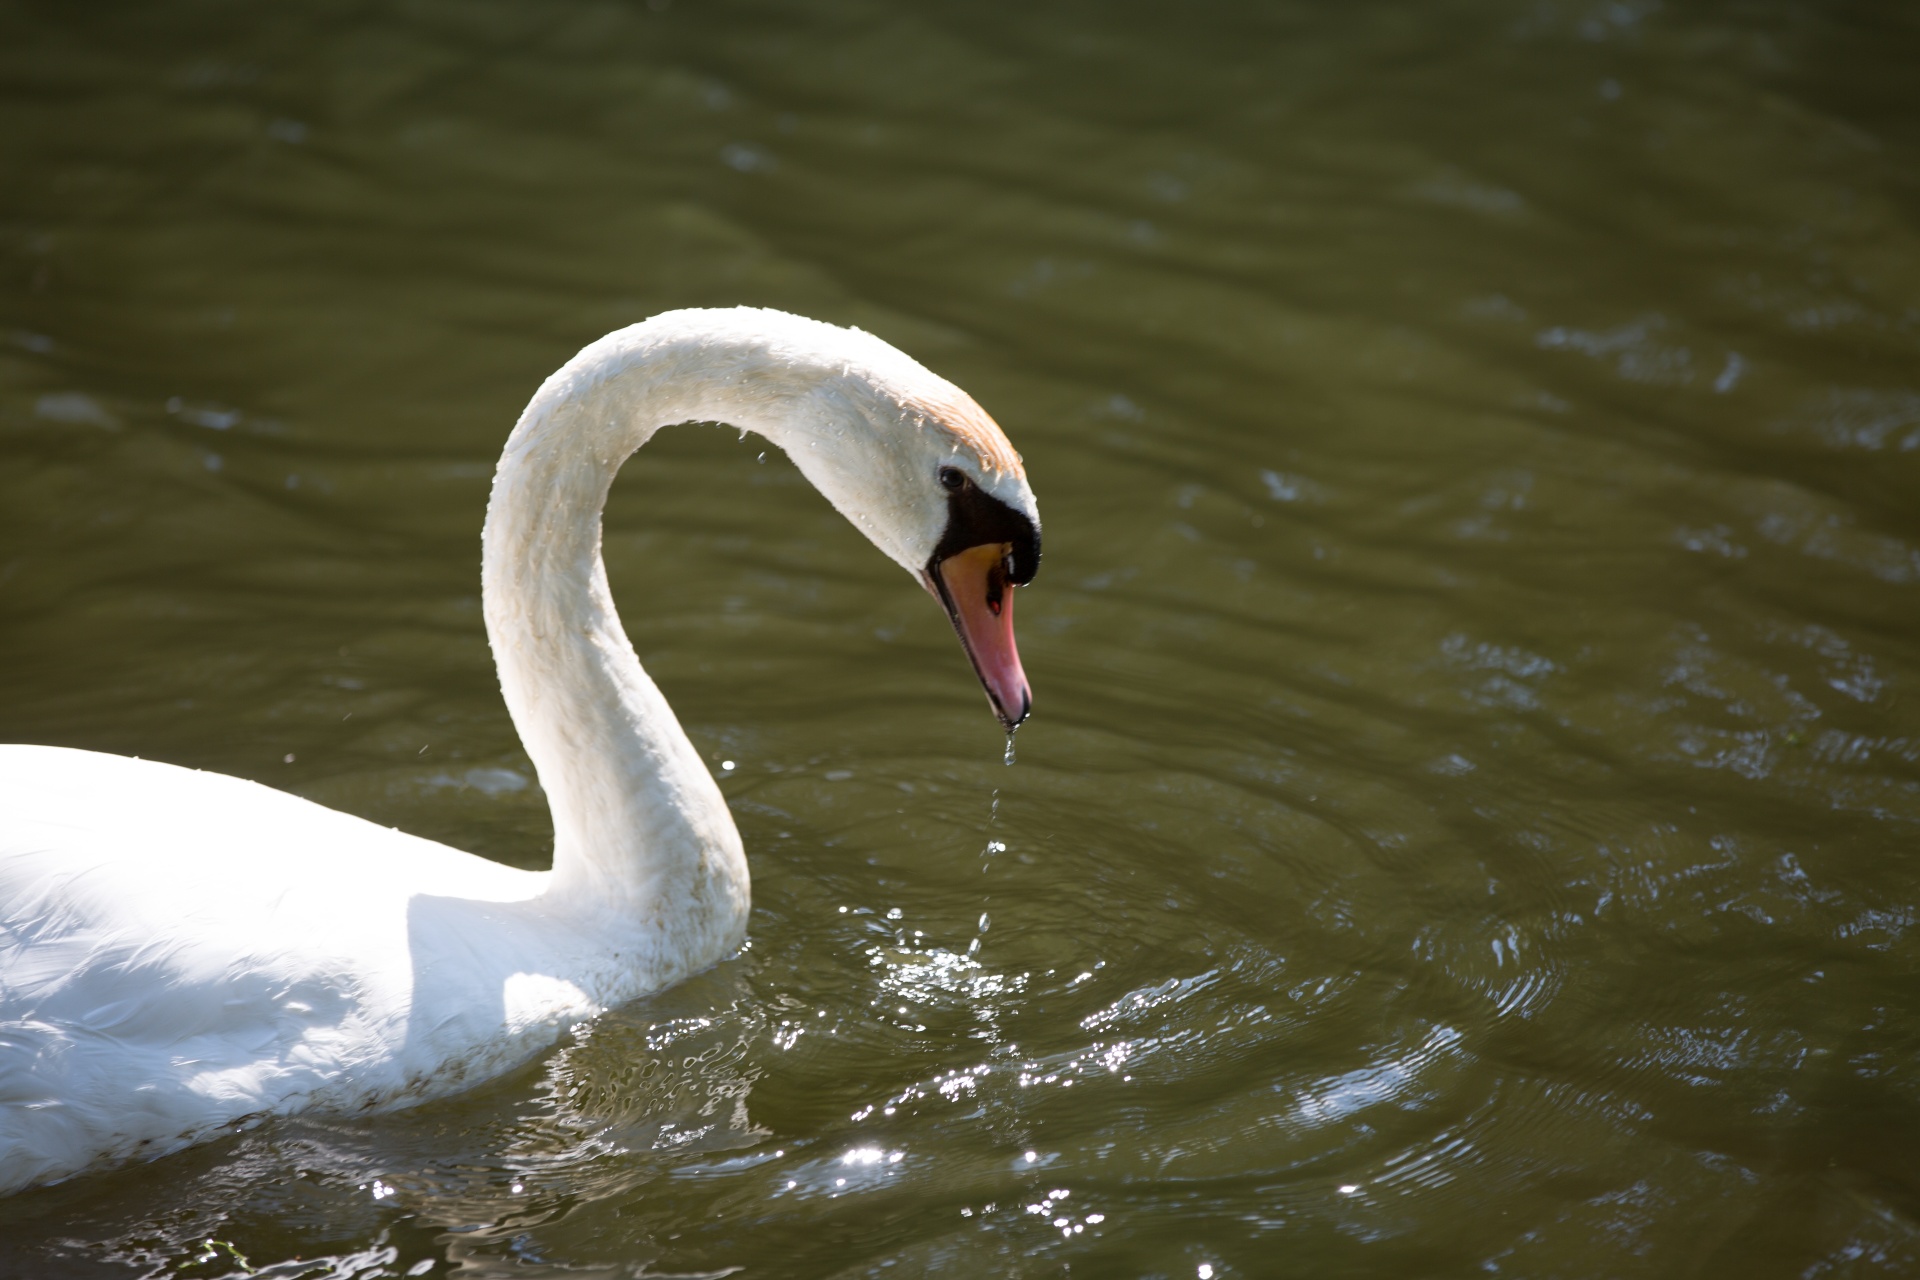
(183, 953)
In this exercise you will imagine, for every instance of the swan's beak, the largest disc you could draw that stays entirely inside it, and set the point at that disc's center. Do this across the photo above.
(974, 586)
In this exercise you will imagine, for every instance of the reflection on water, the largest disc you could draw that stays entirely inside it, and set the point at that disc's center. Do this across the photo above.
(1466, 827)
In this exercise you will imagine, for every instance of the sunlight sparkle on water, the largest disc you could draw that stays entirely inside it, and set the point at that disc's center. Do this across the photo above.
(1305, 666)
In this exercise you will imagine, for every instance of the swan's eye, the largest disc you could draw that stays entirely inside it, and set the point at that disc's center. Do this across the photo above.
(952, 479)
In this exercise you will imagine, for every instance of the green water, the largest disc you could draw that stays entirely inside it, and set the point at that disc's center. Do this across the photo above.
(1469, 821)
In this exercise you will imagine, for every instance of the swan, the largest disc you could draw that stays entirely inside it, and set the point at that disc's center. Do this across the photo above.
(183, 954)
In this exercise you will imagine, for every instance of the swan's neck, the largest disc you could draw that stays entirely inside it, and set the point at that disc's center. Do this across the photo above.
(640, 827)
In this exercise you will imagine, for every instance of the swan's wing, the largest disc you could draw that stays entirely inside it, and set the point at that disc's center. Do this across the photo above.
(179, 950)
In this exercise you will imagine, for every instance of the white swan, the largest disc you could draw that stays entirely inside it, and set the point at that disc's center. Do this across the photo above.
(184, 953)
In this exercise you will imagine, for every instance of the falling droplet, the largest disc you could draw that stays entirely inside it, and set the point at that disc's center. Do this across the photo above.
(1009, 755)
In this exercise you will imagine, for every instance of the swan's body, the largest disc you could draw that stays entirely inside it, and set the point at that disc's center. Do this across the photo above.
(184, 952)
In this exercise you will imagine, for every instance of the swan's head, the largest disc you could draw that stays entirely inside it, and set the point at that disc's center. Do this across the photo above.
(920, 468)
(989, 544)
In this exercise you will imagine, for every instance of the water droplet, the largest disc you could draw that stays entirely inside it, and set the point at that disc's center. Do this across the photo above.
(1009, 756)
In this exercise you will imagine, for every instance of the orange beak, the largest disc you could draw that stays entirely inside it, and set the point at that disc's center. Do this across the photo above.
(974, 586)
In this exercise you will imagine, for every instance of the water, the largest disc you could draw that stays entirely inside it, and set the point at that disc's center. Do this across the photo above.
(1467, 822)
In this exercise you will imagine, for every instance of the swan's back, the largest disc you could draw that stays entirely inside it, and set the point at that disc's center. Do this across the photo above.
(180, 951)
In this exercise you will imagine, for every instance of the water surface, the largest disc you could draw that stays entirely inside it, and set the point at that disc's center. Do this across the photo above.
(1468, 825)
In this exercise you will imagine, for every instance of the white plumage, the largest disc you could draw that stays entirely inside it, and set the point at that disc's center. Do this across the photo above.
(183, 952)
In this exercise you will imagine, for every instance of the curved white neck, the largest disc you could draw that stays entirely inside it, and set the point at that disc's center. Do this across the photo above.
(639, 824)
(640, 828)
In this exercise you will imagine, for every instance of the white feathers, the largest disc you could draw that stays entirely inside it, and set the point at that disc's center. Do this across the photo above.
(183, 952)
